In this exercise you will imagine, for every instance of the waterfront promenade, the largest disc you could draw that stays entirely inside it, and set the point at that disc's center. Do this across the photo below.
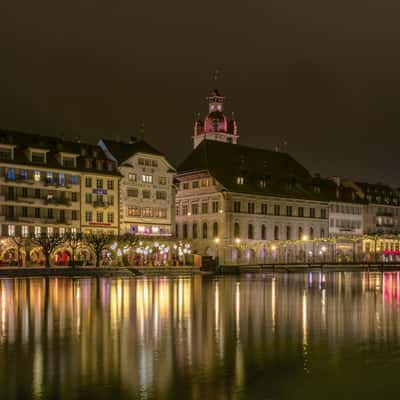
(131, 271)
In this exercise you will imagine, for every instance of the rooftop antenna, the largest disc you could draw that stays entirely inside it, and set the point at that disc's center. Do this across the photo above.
(141, 130)
(216, 75)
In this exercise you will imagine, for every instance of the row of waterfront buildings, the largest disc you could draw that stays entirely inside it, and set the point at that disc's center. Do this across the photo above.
(224, 197)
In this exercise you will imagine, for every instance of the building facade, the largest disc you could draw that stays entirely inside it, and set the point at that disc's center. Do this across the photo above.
(42, 184)
(146, 191)
(243, 203)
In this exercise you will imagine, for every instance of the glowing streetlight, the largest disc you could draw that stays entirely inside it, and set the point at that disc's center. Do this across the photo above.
(273, 247)
(237, 240)
(216, 240)
(305, 237)
(323, 249)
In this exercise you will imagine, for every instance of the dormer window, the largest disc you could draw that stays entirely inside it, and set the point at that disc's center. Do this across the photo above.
(38, 157)
(99, 164)
(240, 180)
(95, 153)
(6, 153)
(110, 165)
(263, 183)
(88, 163)
(69, 162)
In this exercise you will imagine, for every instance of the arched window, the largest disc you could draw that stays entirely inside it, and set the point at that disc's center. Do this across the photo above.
(194, 231)
(300, 234)
(250, 231)
(276, 232)
(288, 233)
(322, 232)
(236, 230)
(215, 229)
(205, 230)
(263, 232)
(185, 231)
(311, 233)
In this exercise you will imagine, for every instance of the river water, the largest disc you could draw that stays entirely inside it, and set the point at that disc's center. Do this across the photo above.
(260, 336)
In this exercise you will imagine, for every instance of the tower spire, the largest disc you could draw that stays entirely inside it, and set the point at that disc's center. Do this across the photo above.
(216, 125)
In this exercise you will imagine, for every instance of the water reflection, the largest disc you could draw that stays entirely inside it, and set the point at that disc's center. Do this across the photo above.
(255, 336)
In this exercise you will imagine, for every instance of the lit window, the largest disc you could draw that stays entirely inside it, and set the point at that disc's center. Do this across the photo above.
(240, 180)
(49, 177)
(24, 231)
(110, 217)
(61, 179)
(11, 230)
(38, 231)
(10, 174)
(36, 176)
(133, 211)
(74, 179)
(147, 178)
(49, 231)
(73, 232)
(62, 231)
(132, 177)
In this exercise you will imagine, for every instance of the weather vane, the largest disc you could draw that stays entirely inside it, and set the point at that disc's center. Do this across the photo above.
(216, 75)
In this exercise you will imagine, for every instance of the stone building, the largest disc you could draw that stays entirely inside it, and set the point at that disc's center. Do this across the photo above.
(146, 192)
(241, 202)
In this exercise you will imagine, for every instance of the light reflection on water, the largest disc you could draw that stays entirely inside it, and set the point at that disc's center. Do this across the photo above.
(254, 336)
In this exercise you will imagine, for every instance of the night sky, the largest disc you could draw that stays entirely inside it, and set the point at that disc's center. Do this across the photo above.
(322, 75)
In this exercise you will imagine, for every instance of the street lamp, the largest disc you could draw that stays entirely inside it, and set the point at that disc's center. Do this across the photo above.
(304, 239)
(216, 240)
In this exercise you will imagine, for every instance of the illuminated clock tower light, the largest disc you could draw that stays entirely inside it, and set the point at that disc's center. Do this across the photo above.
(216, 126)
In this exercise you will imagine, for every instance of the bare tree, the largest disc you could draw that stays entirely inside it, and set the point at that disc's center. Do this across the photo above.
(73, 241)
(48, 243)
(98, 242)
(127, 239)
(20, 244)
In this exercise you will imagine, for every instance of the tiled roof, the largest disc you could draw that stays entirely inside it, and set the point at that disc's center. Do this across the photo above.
(264, 172)
(22, 141)
(121, 151)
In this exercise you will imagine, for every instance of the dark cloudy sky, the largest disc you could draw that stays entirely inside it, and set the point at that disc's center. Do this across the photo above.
(322, 75)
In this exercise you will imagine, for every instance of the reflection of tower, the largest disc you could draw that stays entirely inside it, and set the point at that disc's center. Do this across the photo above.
(216, 126)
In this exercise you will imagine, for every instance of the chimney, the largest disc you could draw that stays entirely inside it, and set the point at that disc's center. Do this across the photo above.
(337, 180)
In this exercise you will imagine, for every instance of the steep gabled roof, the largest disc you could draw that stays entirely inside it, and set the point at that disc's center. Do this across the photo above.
(264, 172)
(121, 151)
